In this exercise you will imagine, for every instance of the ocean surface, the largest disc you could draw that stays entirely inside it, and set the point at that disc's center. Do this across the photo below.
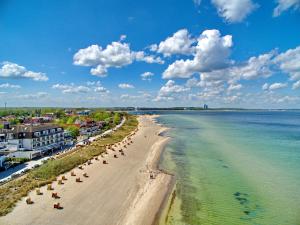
(233, 167)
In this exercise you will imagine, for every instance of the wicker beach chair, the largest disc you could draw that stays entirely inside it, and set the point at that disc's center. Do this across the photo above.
(57, 206)
(49, 187)
(38, 192)
(55, 195)
(29, 201)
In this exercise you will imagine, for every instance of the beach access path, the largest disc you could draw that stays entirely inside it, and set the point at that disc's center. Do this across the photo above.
(120, 192)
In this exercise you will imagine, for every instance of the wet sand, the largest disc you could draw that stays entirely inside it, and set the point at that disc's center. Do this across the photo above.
(120, 192)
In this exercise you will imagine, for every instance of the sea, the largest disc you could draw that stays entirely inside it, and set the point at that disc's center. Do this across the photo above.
(232, 167)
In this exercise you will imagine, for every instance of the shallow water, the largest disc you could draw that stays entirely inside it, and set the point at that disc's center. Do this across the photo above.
(234, 167)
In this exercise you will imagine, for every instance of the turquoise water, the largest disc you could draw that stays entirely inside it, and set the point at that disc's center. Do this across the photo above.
(234, 168)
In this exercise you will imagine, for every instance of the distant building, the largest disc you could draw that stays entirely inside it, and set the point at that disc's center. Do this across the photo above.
(205, 106)
(84, 112)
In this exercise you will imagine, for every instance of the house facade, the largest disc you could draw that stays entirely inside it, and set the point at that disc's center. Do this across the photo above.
(37, 138)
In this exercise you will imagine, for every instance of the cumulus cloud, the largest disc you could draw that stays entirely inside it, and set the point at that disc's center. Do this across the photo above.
(283, 5)
(276, 86)
(170, 90)
(289, 62)
(65, 88)
(265, 86)
(8, 85)
(211, 53)
(116, 54)
(147, 76)
(296, 85)
(101, 89)
(234, 87)
(255, 67)
(13, 70)
(125, 86)
(180, 43)
(141, 56)
(234, 11)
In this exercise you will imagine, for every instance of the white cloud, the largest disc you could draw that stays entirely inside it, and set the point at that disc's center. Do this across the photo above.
(7, 85)
(283, 5)
(116, 54)
(170, 90)
(123, 37)
(38, 95)
(276, 86)
(265, 86)
(142, 96)
(255, 67)
(147, 76)
(180, 43)
(296, 85)
(99, 71)
(71, 88)
(13, 70)
(234, 11)
(212, 52)
(101, 90)
(141, 56)
(289, 62)
(234, 87)
(125, 86)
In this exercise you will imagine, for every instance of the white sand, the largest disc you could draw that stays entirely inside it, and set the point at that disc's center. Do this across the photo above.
(120, 192)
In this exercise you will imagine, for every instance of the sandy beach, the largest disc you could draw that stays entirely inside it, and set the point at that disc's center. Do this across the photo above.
(120, 192)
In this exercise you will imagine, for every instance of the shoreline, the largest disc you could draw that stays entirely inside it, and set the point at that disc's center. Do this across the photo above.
(127, 193)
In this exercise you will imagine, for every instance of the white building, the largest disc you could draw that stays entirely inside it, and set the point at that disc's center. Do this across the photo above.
(30, 141)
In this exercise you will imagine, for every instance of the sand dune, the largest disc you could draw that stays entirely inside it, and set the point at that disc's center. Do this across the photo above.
(120, 192)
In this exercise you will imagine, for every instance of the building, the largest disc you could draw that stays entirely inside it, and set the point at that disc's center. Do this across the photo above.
(84, 112)
(205, 106)
(29, 141)
(90, 128)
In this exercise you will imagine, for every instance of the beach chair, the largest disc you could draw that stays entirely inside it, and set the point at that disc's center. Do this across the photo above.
(49, 187)
(152, 176)
(80, 167)
(57, 206)
(122, 153)
(120, 150)
(29, 201)
(38, 192)
(115, 156)
(85, 175)
(105, 162)
(63, 178)
(55, 195)
(60, 182)
(73, 174)
(96, 158)
(78, 179)
(89, 162)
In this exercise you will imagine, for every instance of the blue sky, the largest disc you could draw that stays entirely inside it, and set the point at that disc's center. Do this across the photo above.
(226, 53)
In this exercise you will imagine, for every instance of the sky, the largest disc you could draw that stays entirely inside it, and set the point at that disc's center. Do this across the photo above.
(159, 53)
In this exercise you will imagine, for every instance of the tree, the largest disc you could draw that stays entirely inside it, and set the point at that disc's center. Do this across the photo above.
(117, 118)
(74, 131)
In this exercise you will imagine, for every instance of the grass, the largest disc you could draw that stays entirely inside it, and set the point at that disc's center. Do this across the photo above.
(15, 190)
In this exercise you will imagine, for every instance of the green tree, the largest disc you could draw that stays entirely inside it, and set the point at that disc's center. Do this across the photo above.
(117, 118)
(74, 131)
